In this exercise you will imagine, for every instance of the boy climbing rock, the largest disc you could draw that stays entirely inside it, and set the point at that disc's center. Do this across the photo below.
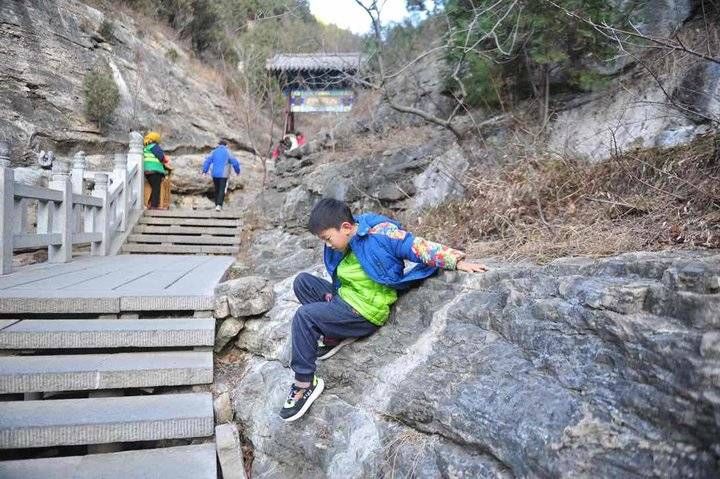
(364, 255)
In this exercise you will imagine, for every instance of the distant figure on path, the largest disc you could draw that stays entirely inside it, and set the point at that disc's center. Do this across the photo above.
(300, 138)
(281, 148)
(221, 159)
(155, 164)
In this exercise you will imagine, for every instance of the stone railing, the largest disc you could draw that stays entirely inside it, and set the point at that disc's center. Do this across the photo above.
(65, 214)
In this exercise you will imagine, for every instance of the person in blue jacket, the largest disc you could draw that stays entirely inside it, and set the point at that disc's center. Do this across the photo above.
(221, 160)
(365, 257)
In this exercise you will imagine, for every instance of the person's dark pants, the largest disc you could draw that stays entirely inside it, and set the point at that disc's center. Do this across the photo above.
(155, 179)
(319, 317)
(219, 190)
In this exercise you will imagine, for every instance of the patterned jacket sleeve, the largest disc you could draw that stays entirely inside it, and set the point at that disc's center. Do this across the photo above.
(418, 250)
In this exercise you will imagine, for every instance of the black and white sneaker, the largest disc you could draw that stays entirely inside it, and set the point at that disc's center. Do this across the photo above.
(299, 399)
(328, 350)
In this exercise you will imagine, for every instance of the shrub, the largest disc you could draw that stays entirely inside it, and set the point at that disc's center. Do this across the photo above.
(101, 94)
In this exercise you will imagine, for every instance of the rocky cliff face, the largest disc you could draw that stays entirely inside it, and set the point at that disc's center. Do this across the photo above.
(581, 368)
(656, 97)
(47, 48)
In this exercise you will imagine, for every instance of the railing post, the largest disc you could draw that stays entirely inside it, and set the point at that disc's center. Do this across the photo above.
(7, 201)
(78, 169)
(135, 157)
(62, 221)
(78, 188)
(120, 176)
(102, 222)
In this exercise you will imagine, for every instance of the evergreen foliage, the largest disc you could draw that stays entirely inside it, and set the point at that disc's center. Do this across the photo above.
(517, 50)
(101, 94)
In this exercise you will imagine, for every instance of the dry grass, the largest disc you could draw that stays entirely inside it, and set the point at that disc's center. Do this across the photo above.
(406, 445)
(545, 206)
(373, 145)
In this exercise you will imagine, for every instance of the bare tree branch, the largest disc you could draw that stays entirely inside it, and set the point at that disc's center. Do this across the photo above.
(382, 85)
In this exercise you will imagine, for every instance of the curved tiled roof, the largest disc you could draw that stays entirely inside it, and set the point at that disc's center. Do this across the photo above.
(314, 61)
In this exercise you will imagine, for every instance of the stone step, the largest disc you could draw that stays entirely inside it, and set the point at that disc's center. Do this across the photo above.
(65, 422)
(178, 249)
(107, 333)
(210, 222)
(185, 230)
(183, 239)
(24, 374)
(182, 462)
(209, 213)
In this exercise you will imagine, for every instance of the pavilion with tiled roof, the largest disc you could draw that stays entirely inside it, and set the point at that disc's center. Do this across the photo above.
(347, 62)
(315, 82)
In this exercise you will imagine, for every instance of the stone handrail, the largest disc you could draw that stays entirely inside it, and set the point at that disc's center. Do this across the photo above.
(67, 215)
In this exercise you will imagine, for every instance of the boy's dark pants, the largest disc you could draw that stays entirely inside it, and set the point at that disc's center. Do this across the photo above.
(318, 317)
(219, 190)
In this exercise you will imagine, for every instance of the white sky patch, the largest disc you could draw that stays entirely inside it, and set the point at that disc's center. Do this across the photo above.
(349, 15)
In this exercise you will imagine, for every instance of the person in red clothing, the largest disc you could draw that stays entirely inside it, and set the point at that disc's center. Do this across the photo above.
(281, 148)
(300, 138)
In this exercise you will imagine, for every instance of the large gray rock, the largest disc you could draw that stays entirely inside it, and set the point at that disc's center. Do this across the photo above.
(277, 254)
(657, 104)
(699, 92)
(602, 368)
(641, 113)
(247, 296)
(222, 408)
(227, 443)
(271, 334)
(369, 182)
(229, 328)
(422, 87)
(442, 180)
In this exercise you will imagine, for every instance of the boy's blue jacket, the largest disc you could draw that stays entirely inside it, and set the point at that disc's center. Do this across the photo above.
(381, 245)
(219, 158)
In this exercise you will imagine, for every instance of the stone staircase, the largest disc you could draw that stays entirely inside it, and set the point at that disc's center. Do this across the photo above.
(185, 232)
(71, 387)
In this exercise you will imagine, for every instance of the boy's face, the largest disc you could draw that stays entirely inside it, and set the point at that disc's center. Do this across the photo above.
(337, 238)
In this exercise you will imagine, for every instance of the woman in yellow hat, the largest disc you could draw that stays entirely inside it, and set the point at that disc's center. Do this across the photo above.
(154, 164)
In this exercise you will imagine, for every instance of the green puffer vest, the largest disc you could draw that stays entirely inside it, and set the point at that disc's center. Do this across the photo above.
(150, 161)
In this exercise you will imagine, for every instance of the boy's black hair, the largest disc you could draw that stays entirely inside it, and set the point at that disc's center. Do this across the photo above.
(222, 141)
(329, 213)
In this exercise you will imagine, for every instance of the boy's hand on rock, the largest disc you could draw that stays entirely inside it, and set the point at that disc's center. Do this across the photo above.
(469, 267)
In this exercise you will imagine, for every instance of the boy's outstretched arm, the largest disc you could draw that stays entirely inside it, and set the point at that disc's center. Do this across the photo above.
(441, 256)
(419, 250)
